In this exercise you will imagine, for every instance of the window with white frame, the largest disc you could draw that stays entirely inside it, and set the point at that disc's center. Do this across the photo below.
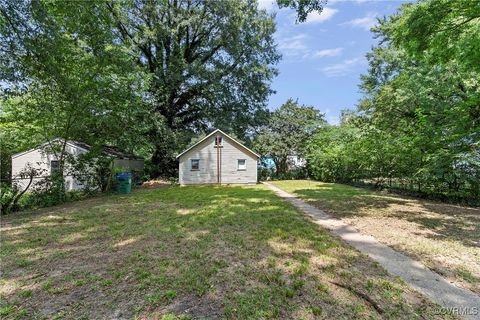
(241, 164)
(195, 164)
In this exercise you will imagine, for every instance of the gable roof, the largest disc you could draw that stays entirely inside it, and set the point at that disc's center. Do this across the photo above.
(108, 150)
(72, 143)
(211, 134)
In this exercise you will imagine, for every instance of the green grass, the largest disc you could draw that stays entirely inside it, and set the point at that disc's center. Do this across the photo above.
(444, 237)
(188, 252)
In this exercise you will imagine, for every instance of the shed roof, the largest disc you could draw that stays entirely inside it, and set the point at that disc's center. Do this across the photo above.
(211, 134)
(108, 150)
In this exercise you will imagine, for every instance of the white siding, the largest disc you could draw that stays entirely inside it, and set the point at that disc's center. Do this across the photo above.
(206, 152)
(40, 160)
(207, 173)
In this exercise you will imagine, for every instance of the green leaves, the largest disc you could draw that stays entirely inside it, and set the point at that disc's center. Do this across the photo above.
(418, 123)
(143, 75)
(211, 63)
(440, 31)
(287, 132)
(303, 7)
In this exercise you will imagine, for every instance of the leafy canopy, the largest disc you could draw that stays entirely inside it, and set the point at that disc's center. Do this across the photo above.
(418, 124)
(287, 131)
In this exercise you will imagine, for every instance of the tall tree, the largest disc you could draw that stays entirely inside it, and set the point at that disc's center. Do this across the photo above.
(210, 62)
(439, 31)
(418, 123)
(287, 132)
(64, 77)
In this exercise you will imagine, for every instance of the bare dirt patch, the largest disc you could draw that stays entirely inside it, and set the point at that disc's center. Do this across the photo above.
(155, 184)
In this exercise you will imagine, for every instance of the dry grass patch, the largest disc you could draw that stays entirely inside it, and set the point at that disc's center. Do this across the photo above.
(445, 237)
(190, 252)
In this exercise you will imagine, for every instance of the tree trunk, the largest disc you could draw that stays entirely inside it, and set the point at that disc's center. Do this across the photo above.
(17, 197)
(281, 165)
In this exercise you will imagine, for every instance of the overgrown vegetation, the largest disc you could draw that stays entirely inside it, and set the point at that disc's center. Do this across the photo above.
(418, 125)
(39, 186)
(284, 137)
(149, 77)
(192, 252)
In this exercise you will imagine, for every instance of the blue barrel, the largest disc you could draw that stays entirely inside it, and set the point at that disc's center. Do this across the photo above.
(123, 182)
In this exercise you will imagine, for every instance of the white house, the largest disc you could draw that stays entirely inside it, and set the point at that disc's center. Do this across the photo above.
(45, 159)
(217, 159)
(296, 162)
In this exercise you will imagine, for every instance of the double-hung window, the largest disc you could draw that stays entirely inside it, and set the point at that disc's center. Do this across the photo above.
(241, 164)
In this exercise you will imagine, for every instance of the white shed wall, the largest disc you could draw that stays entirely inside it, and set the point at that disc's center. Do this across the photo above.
(40, 159)
(206, 152)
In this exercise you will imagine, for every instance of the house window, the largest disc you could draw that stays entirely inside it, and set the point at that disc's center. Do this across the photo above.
(241, 164)
(218, 141)
(195, 164)
(54, 166)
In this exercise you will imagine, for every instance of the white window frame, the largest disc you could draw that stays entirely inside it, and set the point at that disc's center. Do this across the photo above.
(244, 167)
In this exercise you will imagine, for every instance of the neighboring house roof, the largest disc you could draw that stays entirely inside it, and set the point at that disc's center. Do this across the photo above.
(69, 142)
(115, 152)
(108, 150)
(211, 134)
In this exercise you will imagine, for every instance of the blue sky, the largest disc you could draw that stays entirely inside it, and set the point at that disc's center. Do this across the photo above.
(323, 58)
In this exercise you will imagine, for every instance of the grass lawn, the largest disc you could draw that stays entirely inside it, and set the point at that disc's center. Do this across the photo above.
(190, 252)
(445, 237)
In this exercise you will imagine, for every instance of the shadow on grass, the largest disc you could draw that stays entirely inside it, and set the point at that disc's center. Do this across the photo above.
(446, 221)
(347, 203)
(202, 251)
(458, 223)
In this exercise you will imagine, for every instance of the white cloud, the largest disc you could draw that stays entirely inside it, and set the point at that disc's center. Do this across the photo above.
(343, 68)
(266, 4)
(295, 45)
(334, 120)
(326, 14)
(328, 52)
(366, 22)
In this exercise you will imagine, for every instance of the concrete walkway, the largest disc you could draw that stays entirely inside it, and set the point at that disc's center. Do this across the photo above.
(431, 284)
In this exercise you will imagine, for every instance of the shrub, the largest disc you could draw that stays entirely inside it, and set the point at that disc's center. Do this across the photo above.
(11, 194)
(265, 174)
(7, 194)
(93, 170)
(44, 192)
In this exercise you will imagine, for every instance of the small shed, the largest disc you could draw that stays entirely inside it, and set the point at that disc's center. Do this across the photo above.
(45, 159)
(218, 159)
